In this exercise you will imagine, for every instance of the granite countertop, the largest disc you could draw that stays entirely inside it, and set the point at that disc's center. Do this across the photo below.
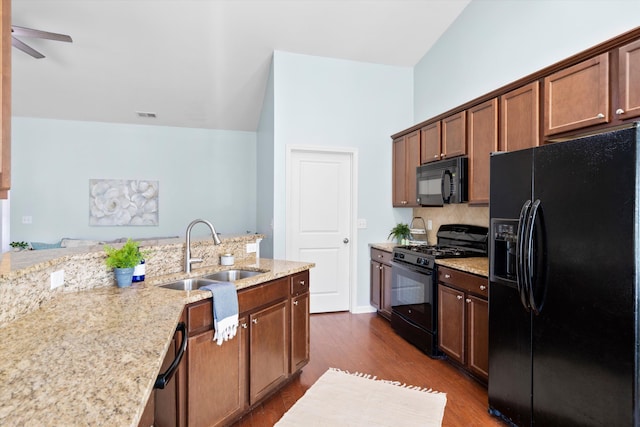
(475, 265)
(91, 357)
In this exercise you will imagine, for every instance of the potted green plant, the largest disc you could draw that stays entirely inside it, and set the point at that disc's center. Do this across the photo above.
(400, 232)
(19, 246)
(123, 261)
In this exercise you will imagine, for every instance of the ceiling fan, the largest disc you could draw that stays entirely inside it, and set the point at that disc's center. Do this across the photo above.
(28, 32)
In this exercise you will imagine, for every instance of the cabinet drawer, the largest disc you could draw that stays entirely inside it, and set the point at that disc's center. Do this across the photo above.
(199, 316)
(380, 256)
(262, 295)
(300, 283)
(471, 283)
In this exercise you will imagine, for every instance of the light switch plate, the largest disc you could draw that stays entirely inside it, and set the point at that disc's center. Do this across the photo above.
(57, 279)
(252, 248)
(362, 223)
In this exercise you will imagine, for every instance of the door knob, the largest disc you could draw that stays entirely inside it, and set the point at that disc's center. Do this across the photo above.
(345, 240)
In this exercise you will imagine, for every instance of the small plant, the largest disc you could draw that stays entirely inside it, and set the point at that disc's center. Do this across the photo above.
(19, 245)
(399, 232)
(128, 256)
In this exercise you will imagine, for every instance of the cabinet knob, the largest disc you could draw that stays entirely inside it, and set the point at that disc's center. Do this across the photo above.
(301, 282)
(244, 326)
(380, 256)
(483, 287)
(447, 276)
(459, 296)
(296, 302)
(255, 321)
(600, 116)
(435, 156)
(619, 111)
(468, 300)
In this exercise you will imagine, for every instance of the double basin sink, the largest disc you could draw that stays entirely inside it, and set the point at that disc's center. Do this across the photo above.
(220, 276)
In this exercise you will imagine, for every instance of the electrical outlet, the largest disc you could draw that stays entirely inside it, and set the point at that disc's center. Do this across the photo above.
(429, 225)
(57, 279)
(27, 219)
(252, 248)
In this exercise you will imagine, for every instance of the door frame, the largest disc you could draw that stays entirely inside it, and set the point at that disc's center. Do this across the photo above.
(353, 230)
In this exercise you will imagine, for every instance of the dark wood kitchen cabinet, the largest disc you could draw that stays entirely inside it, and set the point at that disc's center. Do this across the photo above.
(300, 332)
(628, 105)
(454, 135)
(430, 140)
(520, 118)
(406, 158)
(380, 282)
(218, 384)
(482, 127)
(5, 96)
(577, 96)
(463, 320)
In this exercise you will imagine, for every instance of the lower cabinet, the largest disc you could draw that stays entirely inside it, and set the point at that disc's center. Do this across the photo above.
(216, 385)
(463, 320)
(268, 350)
(300, 331)
(380, 291)
(225, 398)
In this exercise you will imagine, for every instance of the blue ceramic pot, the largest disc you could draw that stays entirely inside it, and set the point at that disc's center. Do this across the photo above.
(123, 276)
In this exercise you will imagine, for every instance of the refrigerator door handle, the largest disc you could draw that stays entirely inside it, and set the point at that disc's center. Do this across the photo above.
(531, 258)
(520, 255)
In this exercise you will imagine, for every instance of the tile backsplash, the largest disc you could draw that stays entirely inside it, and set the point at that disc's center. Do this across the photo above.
(460, 213)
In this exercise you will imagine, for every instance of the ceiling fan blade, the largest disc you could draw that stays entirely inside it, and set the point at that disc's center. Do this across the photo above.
(25, 48)
(29, 32)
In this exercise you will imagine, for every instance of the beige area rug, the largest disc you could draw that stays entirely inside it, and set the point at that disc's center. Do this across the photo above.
(339, 398)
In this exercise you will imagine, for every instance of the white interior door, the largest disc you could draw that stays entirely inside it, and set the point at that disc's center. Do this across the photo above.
(319, 222)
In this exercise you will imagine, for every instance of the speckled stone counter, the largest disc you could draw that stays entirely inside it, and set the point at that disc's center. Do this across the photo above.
(387, 247)
(476, 265)
(91, 357)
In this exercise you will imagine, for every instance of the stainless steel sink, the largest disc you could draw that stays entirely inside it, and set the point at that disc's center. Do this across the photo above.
(231, 275)
(188, 284)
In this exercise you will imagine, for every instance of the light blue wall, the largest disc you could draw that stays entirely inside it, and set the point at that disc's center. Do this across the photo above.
(327, 102)
(202, 173)
(265, 174)
(495, 42)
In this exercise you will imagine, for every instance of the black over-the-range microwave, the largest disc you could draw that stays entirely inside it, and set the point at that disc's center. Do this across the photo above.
(442, 182)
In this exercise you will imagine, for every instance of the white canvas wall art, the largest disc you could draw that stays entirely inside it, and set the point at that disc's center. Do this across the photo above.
(123, 202)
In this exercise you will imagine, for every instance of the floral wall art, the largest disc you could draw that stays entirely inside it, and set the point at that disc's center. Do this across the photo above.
(123, 202)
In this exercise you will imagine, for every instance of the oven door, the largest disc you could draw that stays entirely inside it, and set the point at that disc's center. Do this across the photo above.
(413, 296)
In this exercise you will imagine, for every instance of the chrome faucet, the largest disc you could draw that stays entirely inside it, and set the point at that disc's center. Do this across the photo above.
(187, 258)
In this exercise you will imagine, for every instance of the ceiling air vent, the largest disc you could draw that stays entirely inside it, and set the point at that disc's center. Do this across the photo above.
(146, 114)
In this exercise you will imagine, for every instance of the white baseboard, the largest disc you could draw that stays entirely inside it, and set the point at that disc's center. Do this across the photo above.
(363, 309)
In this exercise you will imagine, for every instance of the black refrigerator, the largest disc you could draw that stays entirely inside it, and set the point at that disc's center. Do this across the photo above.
(563, 270)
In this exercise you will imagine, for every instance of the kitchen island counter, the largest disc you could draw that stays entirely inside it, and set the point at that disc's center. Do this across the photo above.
(91, 357)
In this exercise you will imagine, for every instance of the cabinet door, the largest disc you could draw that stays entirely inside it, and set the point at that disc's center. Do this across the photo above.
(577, 96)
(483, 139)
(478, 339)
(385, 290)
(375, 282)
(454, 136)
(216, 389)
(628, 81)
(520, 118)
(451, 324)
(268, 350)
(399, 172)
(412, 162)
(430, 143)
(299, 332)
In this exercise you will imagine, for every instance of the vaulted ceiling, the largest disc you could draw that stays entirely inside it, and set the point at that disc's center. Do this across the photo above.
(200, 63)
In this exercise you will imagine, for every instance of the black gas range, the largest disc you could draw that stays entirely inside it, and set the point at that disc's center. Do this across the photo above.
(414, 308)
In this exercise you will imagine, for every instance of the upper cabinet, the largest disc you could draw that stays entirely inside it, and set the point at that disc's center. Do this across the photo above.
(406, 158)
(577, 96)
(519, 118)
(5, 95)
(628, 105)
(482, 125)
(444, 138)
(454, 135)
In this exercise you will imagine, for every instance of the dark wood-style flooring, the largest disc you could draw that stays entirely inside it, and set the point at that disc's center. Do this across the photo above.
(366, 343)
